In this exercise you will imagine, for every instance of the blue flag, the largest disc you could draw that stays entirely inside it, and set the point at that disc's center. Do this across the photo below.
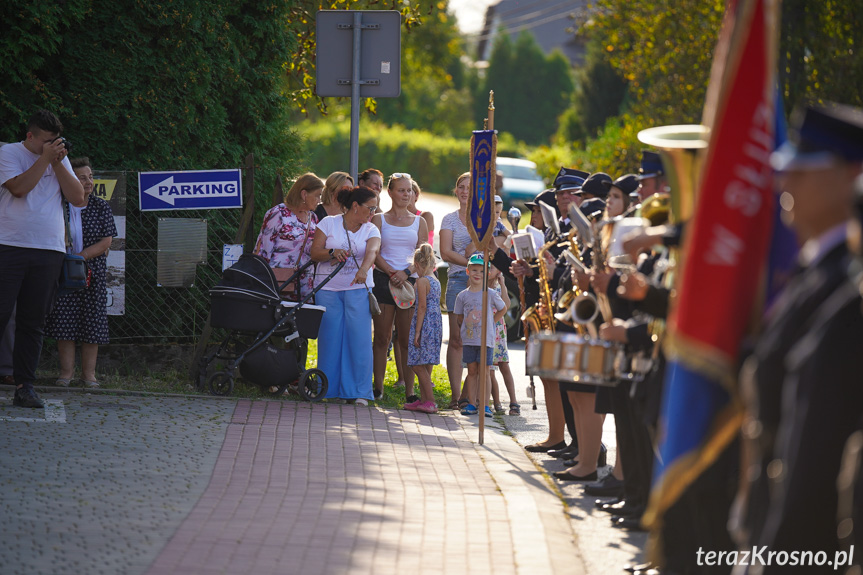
(483, 176)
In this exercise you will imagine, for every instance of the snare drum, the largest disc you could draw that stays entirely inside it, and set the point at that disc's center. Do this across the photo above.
(570, 357)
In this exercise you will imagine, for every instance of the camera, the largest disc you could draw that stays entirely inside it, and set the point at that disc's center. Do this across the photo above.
(66, 143)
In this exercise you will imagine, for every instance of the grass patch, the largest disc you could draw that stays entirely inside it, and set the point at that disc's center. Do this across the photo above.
(394, 396)
(172, 381)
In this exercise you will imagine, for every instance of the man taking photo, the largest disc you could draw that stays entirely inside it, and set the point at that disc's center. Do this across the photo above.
(35, 176)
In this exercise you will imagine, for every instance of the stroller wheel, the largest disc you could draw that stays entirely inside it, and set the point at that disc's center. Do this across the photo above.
(313, 385)
(221, 383)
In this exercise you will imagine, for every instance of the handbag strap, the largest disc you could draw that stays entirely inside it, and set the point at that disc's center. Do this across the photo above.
(351, 251)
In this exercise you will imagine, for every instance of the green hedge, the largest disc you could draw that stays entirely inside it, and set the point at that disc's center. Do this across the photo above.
(434, 161)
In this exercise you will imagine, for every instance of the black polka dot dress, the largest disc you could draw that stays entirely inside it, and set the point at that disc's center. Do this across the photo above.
(82, 315)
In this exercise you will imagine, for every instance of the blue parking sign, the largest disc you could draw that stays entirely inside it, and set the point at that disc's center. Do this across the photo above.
(190, 190)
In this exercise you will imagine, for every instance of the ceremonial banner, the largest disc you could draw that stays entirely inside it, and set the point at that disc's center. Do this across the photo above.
(725, 251)
(480, 203)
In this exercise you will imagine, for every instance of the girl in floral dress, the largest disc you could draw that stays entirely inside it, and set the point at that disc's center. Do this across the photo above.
(426, 335)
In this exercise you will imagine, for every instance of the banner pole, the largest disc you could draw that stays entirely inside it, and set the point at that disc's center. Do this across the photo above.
(483, 367)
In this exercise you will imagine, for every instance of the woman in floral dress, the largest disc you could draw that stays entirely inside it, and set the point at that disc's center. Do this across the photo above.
(287, 232)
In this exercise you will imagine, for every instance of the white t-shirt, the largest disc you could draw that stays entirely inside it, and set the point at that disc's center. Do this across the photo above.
(36, 220)
(337, 239)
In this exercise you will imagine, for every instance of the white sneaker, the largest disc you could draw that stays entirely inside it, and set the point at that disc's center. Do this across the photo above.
(362, 401)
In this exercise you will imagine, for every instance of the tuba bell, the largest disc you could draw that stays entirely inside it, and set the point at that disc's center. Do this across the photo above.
(680, 147)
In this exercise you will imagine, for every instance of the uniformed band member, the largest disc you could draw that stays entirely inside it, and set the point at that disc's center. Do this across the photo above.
(631, 326)
(803, 384)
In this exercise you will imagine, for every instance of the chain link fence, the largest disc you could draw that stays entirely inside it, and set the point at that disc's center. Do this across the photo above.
(153, 314)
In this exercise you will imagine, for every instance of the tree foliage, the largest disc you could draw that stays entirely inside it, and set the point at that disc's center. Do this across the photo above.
(434, 93)
(599, 94)
(821, 51)
(531, 90)
(664, 50)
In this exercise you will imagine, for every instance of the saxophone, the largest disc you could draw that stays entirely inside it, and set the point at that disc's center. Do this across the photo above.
(539, 317)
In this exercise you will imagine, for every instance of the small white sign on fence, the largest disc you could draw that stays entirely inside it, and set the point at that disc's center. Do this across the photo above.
(230, 254)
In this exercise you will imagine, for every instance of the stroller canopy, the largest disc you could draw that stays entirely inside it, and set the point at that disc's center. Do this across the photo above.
(251, 275)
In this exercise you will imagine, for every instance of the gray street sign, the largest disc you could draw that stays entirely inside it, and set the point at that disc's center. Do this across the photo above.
(380, 53)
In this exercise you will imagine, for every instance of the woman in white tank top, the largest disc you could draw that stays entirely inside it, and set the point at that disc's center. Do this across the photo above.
(401, 233)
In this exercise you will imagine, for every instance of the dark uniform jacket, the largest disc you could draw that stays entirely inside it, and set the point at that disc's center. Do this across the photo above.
(806, 394)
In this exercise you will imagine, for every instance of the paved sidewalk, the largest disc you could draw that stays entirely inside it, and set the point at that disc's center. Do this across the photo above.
(602, 547)
(108, 484)
(342, 489)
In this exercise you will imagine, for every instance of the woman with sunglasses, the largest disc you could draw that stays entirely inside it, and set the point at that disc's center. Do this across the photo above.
(402, 232)
(345, 335)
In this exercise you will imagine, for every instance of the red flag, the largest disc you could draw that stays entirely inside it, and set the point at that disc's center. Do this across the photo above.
(724, 253)
(728, 237)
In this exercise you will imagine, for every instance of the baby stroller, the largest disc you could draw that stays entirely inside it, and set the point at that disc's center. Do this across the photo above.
(246, 301)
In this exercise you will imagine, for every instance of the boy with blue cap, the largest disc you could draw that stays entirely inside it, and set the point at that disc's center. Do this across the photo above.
(468, 314)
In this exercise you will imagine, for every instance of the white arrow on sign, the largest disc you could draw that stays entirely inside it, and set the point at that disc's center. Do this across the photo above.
(167, 191)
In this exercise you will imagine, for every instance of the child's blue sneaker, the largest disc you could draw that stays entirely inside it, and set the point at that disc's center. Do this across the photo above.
(488, 412)
(469, 409)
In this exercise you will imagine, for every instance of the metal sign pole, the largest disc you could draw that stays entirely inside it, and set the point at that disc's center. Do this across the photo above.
(355, 95)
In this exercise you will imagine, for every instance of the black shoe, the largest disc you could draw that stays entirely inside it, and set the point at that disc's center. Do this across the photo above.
(568, 452)
(26, 397)
(629, 523)
(538, 448)
(608, 486)
(613, 508)
(412, 398)
(600, 503)
(567, 476)
(379, 393)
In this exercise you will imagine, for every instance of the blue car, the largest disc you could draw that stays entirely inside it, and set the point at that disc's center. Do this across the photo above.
(521, 182)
